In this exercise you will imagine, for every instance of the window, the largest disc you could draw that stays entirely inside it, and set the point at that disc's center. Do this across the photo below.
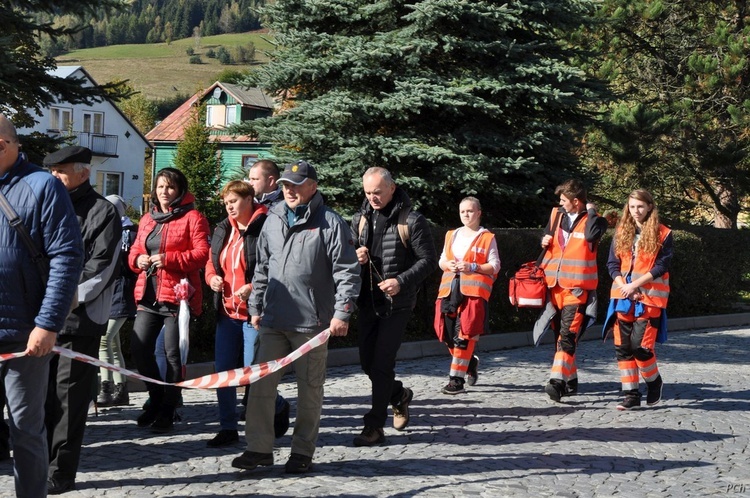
(231, 115)
(60, 118)
(93, 122)
(109, 183)
(248, 160)
(216, 116)
(209, 115)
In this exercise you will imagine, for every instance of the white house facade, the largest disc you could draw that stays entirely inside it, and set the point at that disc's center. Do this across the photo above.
(118, 147)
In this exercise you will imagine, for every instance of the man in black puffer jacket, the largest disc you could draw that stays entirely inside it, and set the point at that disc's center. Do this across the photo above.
(396, 251)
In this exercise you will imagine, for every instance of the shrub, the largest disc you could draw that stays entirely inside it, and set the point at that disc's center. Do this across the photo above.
(196, 59)
(190, 51)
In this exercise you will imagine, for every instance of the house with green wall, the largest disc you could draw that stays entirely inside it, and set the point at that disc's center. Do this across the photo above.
(226, 104)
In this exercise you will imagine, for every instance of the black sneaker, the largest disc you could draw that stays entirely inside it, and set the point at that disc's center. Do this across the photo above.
(630, 401)
(298, 464)
(223, 438)
(454, 386)
(281, 421)
(371, 436)
(554, 389)
(653, 396)
(471, 374)
(571, 387)
(401, 410)
(249, 460)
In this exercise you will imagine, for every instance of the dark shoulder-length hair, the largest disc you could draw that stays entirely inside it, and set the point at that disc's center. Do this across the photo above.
(175, 178)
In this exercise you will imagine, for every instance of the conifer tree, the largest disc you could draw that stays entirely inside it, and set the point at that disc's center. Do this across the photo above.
(455, 98)
(197, 157)
(681, 127)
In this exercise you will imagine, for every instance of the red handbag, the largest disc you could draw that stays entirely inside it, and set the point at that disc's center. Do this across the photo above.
(528, 288)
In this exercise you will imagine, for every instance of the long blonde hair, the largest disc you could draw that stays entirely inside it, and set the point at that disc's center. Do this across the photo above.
(649, 242)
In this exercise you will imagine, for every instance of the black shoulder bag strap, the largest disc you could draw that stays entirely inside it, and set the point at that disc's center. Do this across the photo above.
(554, 229)
(15, 221)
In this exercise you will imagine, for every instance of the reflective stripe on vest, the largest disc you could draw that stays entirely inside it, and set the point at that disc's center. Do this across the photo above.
(472, 284)
(654, 293)
(575, 265)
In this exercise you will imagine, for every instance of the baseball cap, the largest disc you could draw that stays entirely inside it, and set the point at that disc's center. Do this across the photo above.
(297, 172)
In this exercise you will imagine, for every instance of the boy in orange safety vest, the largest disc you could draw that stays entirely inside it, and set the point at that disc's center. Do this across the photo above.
(571, 273)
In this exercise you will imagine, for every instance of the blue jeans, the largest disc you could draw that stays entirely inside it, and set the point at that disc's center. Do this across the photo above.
(26, 382)
(234, 348)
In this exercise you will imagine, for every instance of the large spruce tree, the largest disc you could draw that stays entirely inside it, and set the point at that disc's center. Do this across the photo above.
(456, 98)
(25, 80)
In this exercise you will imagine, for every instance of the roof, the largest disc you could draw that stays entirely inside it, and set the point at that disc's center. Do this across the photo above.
(171, 129)
(68, 71)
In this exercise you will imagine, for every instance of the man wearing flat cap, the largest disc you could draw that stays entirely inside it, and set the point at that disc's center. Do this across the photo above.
(306, 280)
(71, 382)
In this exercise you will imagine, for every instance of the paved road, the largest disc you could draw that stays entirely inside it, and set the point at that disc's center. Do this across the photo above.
(503, 438)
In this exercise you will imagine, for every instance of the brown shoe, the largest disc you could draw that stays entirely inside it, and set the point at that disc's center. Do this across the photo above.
(371, 436)
(401, 410)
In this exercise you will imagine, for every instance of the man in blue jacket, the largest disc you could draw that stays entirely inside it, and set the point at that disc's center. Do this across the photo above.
(35, 305)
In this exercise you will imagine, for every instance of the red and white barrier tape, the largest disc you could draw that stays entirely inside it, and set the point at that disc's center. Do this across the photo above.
(229, 378)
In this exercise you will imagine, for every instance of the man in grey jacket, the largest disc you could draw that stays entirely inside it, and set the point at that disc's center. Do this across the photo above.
(72, 382)
(306, 280)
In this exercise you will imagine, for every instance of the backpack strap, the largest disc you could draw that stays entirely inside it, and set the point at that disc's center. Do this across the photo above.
(403, 226)
(15, 221)
(362, 222)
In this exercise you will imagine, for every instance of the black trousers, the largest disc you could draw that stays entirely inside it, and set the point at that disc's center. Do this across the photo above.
(379, 341)
(71, 390)
(142, 345)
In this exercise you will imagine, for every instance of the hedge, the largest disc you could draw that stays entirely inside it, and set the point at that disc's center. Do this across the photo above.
(709, 275)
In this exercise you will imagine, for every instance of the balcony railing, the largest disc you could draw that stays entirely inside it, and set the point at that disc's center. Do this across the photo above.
(100, 144)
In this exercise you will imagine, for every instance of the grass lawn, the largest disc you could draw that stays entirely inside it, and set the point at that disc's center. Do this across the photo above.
(159, 70)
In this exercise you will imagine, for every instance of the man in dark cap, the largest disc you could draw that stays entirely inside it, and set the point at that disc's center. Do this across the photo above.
(306, 280)
(71, 382)
(30, 320)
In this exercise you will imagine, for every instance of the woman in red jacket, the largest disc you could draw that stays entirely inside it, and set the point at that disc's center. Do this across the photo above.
(172, 244)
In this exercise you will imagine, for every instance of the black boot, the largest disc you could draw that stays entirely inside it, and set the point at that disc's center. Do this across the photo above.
(165, 421)
(105, 394)
(121, 397)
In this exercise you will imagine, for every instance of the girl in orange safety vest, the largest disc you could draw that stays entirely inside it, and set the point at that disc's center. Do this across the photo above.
(638, 264)
(470, 263)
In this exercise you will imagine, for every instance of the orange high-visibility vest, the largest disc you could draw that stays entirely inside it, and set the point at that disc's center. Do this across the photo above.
(472, 284)
(573, 266)
(654, 293)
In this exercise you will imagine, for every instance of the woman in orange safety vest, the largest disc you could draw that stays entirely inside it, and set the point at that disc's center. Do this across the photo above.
(638, 264)
(470, 263)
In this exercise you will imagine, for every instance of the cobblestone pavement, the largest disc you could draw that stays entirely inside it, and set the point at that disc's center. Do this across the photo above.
(502, 438)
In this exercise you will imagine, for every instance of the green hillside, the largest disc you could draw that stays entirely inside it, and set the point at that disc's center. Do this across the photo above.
(159, 70)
